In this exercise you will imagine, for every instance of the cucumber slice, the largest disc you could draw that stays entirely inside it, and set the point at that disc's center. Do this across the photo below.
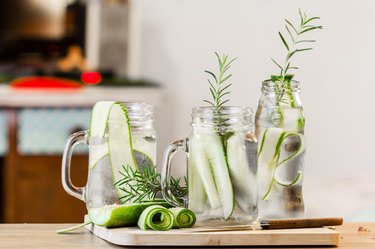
(197, 193)
(202, 167)
(270, 160)
(270, 140)
(120, 215)
(214, 150)
(98, 125)
(284, 158)
(97, 153)
(99, 118)
(119, 146)
(242, 178)
(120, 142)
(293, 119)
(267, 159)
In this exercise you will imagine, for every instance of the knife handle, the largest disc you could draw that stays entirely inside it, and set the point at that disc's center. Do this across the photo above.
(300, 223)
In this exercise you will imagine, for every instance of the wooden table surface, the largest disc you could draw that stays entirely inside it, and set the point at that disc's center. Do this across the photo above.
(44, 236)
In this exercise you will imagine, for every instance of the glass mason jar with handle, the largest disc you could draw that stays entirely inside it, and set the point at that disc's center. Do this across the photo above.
(138, 146)
(280, 124)
(222, 166)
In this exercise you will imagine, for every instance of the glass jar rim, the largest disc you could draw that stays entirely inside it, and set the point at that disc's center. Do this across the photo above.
(224, 118)
(210, 111)
(137, 112)
(271, 86)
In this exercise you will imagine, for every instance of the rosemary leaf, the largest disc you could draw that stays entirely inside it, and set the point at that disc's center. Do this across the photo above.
(312, 18)
(285, 43)
(145, 185)
(304, 27)
(277, 64)
(309, 29)
(292, 26)
(290, 33)
(220, 88)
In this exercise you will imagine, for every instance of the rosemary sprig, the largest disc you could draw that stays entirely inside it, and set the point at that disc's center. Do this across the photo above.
(293, 44)
(145, 185)
(218, 88)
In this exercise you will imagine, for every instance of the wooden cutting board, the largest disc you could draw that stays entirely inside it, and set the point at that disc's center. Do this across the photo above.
(133, 236)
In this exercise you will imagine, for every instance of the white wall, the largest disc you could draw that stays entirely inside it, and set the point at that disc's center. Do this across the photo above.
(176, 42)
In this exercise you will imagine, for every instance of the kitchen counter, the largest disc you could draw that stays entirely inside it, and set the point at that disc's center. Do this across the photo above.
(44, 236)
(82, 97)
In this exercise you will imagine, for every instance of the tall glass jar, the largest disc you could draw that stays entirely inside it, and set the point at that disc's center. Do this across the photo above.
(138, 147)
(280, 124)
(222, 166)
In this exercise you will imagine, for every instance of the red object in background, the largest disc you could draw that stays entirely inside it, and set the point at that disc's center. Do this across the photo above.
(91, 78)
(43, 82)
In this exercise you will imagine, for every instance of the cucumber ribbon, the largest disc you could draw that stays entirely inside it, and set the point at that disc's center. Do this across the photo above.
(156, 217)
(159, 218)
(183, 217)
(270, 154)
(110, 135)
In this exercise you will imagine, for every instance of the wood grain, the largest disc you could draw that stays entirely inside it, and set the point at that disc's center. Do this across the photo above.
(43, 236)
(133, 236)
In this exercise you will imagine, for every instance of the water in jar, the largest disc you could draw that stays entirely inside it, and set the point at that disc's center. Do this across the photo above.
(280, 133)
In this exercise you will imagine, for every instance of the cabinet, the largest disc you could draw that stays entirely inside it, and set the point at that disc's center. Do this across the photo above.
(31, 170)
(33, 192)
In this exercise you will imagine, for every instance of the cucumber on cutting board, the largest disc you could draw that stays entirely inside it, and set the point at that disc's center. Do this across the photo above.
(120, 215)
(215, 153)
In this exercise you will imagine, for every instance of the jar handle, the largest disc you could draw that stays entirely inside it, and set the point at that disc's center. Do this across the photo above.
(76, 138)
(179, 145)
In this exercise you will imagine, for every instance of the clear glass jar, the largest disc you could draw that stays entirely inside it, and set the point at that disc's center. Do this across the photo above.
(222, 166)
(141, 118)
(139, 146)
(279, 127)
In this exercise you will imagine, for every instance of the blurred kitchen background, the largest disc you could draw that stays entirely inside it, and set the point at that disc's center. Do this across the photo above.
(156, 51)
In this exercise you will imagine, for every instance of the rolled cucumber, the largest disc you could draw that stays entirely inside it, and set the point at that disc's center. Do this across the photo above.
(157, 218)
(243, 180)
(202, 167)
(120, 215)
(215, 153)
(183, 217)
